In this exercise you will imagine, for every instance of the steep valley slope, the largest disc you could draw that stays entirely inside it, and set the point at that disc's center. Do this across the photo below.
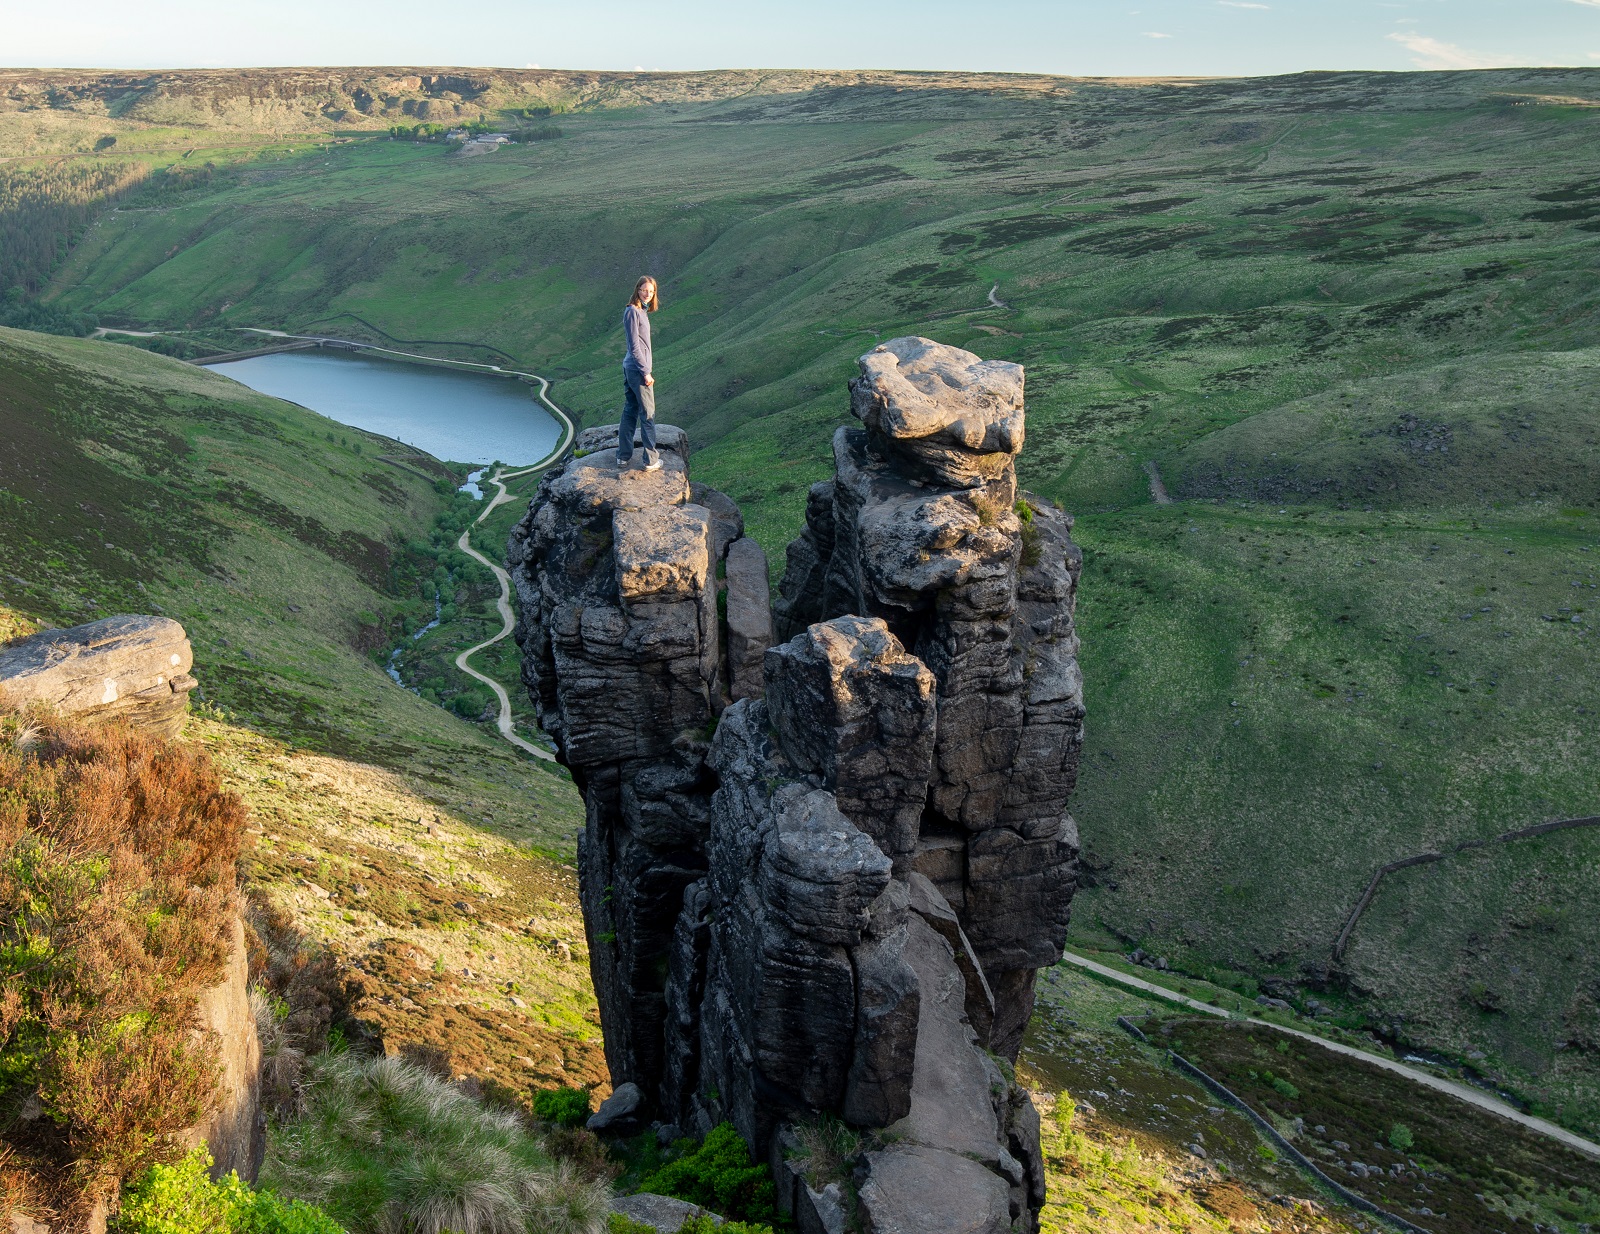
(1311, 358)
(412, 848)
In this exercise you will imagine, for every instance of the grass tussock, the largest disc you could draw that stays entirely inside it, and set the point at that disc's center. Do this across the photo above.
(117, 856)
(386, 1147)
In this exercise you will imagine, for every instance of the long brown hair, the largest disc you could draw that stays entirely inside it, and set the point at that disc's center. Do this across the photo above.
(655, 294)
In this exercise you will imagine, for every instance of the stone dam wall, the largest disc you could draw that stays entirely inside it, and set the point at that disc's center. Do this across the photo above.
(826, 846)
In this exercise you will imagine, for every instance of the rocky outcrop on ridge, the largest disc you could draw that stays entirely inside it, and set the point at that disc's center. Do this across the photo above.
(818, 876)
(134, 668)
(923, 528)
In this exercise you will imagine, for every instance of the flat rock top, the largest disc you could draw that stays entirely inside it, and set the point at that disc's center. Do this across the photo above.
(130, 635)
(916, 388)
(604, 437)
(857, 643)
(662, 553)
(661, 1212)
(593, 483)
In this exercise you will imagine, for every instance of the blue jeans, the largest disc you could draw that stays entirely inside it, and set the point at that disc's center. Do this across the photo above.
(638, 412)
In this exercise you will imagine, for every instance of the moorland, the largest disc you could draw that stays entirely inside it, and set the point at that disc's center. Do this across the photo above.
(1310, 358)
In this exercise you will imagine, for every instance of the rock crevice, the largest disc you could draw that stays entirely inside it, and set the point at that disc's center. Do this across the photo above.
(821, 864)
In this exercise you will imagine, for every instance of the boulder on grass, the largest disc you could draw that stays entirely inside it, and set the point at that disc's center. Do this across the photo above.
(132, 668)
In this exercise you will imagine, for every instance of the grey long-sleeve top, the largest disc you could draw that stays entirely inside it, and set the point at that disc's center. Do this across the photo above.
(636, 330)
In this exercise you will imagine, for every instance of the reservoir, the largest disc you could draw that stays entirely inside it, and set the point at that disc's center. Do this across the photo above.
(453, 414)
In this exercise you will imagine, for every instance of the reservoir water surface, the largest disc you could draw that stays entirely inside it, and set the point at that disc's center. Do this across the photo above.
(453, 414)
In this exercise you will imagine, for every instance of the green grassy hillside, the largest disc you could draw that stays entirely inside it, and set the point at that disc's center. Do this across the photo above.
(134, 483)
(1348, 319)
(409, 845)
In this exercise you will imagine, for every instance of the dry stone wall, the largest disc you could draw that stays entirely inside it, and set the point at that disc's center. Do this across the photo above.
(819, 876)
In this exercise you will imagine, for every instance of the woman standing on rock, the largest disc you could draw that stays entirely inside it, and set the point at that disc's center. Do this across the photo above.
(639, 398)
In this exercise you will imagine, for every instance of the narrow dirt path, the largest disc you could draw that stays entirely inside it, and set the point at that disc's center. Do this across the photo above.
(503, 603)
(1459, 1091)
(1158, 490)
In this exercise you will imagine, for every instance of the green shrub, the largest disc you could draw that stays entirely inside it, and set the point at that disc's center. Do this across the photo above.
(386, 1145)
(718, 1175)
(23, 314)
(1031, 549)
(183, 1199)
(469, 704)
(1285, 1089)
(1400, 1137)
(620, 1224)
(704, 1225)
(176, 1199)
(565, 1107)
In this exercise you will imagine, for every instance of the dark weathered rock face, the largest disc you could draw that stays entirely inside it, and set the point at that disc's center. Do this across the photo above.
(132, 668)
(819, 877)
(980, 587)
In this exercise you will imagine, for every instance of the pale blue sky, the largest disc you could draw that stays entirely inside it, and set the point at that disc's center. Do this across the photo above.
(1218, 37)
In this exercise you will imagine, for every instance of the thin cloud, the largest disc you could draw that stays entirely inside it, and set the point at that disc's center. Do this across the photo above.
(1593, 4)
(1156, 34)
(1429, 53)
(1243, 4)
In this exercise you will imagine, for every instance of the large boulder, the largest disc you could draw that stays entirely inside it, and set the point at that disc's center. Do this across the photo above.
(131, 668)
(914, 1189)
(940, 413)
(850, 706)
